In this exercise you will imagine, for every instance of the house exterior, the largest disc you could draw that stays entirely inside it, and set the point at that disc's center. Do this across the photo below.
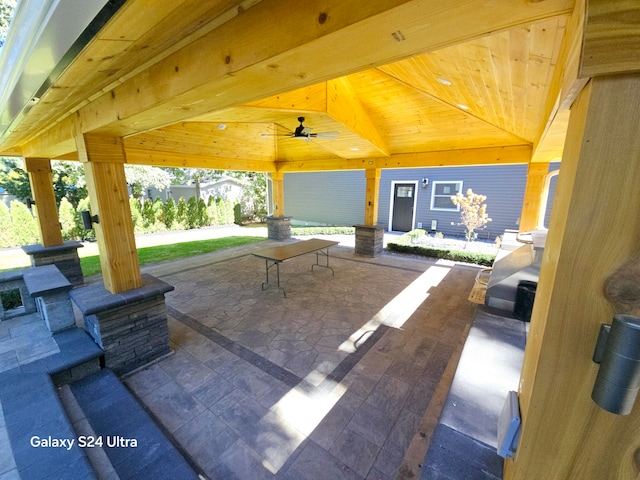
(412, 198)
(226, 188)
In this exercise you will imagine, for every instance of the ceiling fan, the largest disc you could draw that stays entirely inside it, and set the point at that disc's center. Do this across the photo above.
(304, 133)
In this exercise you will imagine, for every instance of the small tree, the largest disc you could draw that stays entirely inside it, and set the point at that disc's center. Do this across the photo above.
(473, 213)
(67, 216)
(181, 213)
(24, 225)
(6, 239)
(169, 213)
(192, 212)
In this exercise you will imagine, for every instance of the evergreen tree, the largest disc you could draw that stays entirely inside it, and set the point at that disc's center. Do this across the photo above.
(181, 216)
(136, 215)
(6, 239)
(203, 214)
(192, 212)
(148, 215)
(170, 213)
(23, 224)
(67, 216)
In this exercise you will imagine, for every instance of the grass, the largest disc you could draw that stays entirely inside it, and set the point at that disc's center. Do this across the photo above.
(162, 253)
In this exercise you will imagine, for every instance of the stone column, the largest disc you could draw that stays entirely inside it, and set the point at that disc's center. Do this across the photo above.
(279, 228)
(369, 240)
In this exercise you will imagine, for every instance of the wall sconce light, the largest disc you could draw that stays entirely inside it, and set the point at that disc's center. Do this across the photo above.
(618, 353)
(88, 220)
(425, 182)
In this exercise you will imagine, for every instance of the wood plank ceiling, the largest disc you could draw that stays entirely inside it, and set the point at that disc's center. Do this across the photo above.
(487, 92)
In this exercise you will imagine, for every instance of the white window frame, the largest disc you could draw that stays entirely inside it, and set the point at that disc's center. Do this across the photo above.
(454, 208)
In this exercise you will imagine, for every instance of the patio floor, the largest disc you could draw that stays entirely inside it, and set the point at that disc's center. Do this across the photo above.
(344, 378)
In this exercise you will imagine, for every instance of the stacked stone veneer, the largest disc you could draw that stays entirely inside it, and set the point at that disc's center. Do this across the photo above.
(131, 327)
(279, 228)
(64, 256)
(369, 240)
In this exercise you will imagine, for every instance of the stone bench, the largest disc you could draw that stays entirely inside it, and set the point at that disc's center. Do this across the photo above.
(50, 289)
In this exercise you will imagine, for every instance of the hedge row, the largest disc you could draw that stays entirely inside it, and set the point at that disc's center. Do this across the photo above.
(484, 259)
(19, 226)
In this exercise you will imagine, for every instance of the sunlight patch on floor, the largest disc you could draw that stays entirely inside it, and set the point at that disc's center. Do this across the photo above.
(400, 308)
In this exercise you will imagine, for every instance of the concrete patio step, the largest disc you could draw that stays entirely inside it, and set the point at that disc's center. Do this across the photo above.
(135, 446)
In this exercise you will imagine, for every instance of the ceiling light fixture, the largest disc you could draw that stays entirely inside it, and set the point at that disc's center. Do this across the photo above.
(463, 106)
(222, 126)
(444, 81)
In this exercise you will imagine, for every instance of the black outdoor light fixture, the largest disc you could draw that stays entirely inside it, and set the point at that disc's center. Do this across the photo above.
(88, 220)
(618, 353)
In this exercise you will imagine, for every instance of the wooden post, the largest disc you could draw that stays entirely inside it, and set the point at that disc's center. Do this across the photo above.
(277, 179)
(104, 159)
(39, 170)
(594, 230)
(371, 196)
(533, 196)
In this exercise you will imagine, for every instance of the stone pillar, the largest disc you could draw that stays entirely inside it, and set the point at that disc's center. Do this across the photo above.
(279, 228)
(64, 256)
(369, 240)
(131, 326)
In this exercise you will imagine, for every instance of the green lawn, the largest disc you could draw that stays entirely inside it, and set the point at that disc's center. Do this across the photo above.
(91, 265)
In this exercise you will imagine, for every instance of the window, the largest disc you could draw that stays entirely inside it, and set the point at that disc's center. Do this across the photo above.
(441, 194)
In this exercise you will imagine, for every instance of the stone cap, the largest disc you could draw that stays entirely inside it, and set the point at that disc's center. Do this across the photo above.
(95, 298)
(378, 226)
(38, 248)
(46, 279)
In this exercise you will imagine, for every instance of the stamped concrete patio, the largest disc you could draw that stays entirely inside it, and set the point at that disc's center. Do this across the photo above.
(343, 378)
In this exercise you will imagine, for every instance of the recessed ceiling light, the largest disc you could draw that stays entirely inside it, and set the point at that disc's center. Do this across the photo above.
(444, 81)
(222, 126)
(354, 149)
(463, 106)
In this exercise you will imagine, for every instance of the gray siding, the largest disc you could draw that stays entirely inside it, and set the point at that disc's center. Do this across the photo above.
(325, 198)
(503, 186)
(337, 198)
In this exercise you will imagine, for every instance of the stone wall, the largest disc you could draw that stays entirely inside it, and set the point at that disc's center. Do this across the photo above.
(369, 240)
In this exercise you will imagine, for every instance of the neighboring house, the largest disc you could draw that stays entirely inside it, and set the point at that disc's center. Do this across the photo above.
(6, 197)
(411, 198)
(226, 188)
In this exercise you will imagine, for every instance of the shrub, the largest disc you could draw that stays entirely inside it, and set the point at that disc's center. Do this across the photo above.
(484, 259)
(158, 211)
(68, 222)
(237, 214)
(203, 214)
(192, 212)
(6, 239)
(148, 215)
(136, 215)
(23, 224)
(181, 216)
(169, 213)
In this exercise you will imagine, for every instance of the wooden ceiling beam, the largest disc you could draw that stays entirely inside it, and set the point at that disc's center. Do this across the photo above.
(249, 57)
(344, 106)
(450, 158)
(173, 159)
(611, 38)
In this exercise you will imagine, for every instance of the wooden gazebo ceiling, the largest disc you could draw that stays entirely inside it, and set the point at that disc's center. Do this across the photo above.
(487, 92)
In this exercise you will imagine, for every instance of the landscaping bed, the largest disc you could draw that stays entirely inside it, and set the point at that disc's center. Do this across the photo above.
(419, 242)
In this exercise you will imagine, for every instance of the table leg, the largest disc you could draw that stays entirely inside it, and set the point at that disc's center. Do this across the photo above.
(324, 253)
(267, 268)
